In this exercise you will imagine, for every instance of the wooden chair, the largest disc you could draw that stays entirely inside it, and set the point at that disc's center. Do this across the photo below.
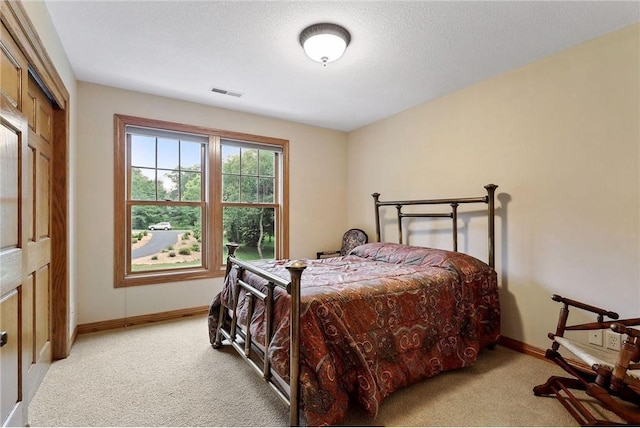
(351, 239)
(611, 377)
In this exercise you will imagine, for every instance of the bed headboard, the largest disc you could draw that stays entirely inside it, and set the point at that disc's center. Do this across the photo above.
(489, 200)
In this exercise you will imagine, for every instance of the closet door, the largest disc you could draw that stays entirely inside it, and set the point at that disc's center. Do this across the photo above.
(13, 258)
(37, 280)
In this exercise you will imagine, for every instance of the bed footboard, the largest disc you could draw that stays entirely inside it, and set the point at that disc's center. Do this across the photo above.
(240, 337)
(248, 281)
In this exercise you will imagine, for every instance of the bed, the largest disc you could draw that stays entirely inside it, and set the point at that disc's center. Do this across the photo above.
(327, 332)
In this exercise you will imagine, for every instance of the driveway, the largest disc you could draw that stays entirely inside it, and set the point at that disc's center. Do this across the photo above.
(160, 240)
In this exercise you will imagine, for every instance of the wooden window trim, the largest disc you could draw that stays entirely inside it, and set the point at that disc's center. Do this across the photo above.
(212, 219)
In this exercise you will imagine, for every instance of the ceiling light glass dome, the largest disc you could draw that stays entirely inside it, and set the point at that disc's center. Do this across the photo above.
(324, 42)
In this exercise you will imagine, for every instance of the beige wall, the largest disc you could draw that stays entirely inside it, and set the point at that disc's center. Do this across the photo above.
(561, 137)
(314, 152)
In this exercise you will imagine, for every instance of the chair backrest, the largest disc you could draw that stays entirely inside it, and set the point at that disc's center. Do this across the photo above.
(351, 239)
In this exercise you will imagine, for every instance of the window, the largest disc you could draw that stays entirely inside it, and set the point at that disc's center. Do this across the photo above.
(182, 192)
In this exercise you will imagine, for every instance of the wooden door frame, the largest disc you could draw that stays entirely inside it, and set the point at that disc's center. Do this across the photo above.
(17, 22)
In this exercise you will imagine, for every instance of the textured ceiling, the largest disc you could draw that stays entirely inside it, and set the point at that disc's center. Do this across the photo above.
(401, 53)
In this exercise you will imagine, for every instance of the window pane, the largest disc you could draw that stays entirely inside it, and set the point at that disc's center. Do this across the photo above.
(249, 161)
(160, 249)
(143, 184)
(265, 190)
(168, 185)
(190, 155)
(230, 160)
(165, 179)
(168, 153)
(191, 185)
(143, 151)
(231, 188)
(243, 226)
(267, 163)
(249, 191)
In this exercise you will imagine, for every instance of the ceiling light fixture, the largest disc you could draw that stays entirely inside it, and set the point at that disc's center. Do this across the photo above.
(324, 42)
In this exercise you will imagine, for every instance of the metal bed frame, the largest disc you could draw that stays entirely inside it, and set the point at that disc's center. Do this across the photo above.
(489, 199)
(240, 338)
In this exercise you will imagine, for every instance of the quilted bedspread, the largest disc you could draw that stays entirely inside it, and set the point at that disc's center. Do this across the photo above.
(383, 317)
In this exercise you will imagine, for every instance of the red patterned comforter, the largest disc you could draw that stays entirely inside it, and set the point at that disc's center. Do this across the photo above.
(381, 318)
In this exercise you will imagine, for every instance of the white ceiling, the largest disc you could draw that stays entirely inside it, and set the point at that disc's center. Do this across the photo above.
(402, 53)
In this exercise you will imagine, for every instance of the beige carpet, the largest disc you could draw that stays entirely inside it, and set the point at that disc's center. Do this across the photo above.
(167, 374)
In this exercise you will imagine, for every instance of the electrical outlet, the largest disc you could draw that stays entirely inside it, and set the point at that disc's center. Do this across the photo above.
(612, 340)
(595, 337)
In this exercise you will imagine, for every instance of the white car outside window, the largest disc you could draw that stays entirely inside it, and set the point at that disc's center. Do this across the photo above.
(165, 225)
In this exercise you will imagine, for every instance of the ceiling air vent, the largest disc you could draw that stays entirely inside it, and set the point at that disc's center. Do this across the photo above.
(226, 92)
